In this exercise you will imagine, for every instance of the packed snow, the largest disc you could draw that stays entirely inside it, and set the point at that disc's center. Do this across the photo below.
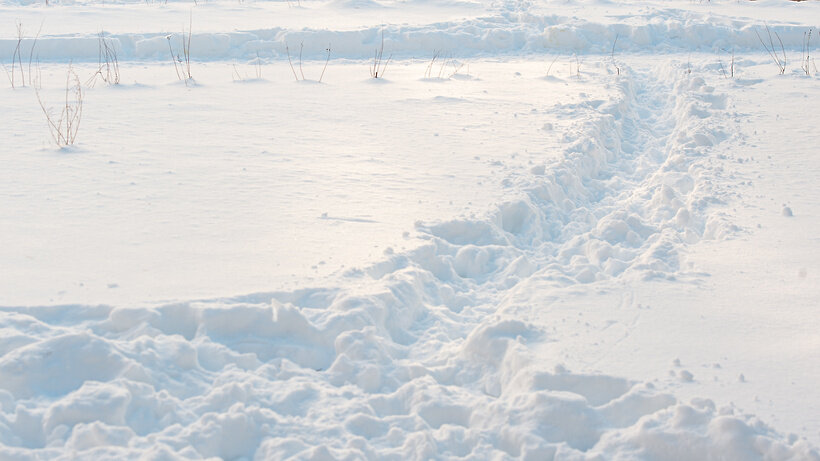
(548, 230)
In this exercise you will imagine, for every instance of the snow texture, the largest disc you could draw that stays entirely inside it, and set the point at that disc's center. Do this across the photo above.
(521, 250)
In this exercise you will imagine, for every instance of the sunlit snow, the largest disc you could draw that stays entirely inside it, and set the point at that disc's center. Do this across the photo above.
(548, 230)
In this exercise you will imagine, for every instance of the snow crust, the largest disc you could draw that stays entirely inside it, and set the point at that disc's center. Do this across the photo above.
(491, 332)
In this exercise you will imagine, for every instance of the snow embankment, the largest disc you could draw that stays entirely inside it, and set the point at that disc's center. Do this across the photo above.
(503, 29)
(415, 356)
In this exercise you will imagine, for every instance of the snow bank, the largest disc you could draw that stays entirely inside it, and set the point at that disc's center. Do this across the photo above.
(504, 29)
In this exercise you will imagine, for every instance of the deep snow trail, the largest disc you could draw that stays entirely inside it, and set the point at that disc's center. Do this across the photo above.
(442, 351)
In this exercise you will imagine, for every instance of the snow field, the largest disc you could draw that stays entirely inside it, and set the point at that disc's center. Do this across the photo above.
(304, 173)
(375, 368)
(140, 321)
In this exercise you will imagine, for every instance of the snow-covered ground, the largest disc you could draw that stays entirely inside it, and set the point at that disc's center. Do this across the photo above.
(587, 230)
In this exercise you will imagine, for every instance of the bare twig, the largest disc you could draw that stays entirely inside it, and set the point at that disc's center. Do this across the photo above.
(429, 71)
(65, 128)
(806, 53)
(612, 54)
(16, 56)
(550, 66)
(301, 71)
(772, 50)
(301, 46)
(379, 65)
(109, 67)
(257, 67)
(443, 64)
(731, 73)
(186, 47)
(183, 70)
(287, 50)
(173, 58)
(326, 61)
(33, 46)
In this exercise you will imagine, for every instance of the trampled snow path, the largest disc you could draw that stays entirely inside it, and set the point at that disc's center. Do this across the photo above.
(434, 352)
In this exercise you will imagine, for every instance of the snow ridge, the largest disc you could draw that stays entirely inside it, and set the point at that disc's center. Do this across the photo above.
(505, 29)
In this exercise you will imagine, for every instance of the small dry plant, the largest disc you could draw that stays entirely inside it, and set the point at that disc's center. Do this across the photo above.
(109, 70)
(731, 73)
(17, 58)
(257, 67)
(780, 61)
(806, 60)
(287, 50)
(445, 63)
(428, 73)
(64, 128)
(301, 72)
(182, 64)
(379, 64)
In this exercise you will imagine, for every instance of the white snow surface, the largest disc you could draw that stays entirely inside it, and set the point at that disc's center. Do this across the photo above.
(588, 230)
